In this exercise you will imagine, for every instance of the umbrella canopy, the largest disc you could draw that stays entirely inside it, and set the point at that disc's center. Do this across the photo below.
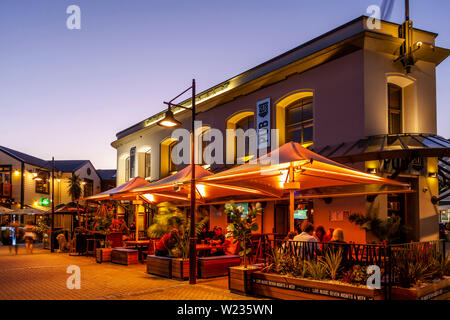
(29, 211)
(4, 210)
(174, 188)
(295, 168)
(70, 207)
(121, 192)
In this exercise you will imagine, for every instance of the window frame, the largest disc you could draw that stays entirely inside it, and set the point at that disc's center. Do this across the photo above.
(302, 124)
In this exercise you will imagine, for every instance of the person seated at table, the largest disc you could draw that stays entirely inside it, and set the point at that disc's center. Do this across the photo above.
(319, 233)
(337, 243)
(231, 245)
(329, 235)
(166, 243)
(311, 247)
(205, 234)
(217, 239)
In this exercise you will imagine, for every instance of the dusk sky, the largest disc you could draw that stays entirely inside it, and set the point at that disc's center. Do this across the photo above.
(66, 93)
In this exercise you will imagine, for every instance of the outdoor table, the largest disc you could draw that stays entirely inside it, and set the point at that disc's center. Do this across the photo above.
(139, 245)
(205, 249)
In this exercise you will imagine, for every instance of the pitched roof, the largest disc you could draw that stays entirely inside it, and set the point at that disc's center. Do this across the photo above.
(69, 165)
(26, 158)
(107, 174)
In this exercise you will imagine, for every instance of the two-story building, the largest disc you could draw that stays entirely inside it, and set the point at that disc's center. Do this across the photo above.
(348, 95)
(25, 181)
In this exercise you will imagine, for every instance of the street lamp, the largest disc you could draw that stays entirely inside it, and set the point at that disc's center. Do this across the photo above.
(169, 121)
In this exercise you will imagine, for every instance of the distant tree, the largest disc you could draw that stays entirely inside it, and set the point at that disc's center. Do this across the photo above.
(75, 187)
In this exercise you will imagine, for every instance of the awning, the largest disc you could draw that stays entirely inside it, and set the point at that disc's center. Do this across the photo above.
(121, 192)
(29, 211)
(313, 176)
(392, 146)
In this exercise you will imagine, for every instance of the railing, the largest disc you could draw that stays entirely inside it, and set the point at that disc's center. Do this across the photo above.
(386, 257)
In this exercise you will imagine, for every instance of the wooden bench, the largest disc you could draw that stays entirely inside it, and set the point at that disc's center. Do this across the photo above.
(160, 266)
(124, 256)
(103, 255)
(216, 266)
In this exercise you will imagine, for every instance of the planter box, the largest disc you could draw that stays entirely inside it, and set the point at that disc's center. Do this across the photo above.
(240, 279)
(217, 266)
(160, 266)
(103, 255)
(439, 290)
(180, 269)
(124, 256)
(288, 288)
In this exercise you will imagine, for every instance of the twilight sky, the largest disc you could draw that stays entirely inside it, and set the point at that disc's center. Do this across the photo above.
(66, 93)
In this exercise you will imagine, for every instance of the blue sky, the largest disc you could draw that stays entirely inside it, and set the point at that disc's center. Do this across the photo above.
(66, 93)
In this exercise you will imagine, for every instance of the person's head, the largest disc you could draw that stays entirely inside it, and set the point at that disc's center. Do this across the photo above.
(338, 235)
(218, 231)
(330, 230)
(320, 232)
(308, 227)
(291, 235)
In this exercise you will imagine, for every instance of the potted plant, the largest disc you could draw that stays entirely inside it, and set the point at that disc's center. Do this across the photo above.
(169, 218)
(241, 227)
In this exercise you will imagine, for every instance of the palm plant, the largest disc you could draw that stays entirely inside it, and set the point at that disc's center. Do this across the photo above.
(75, 190)
(332, 262)
(242, 225)
(169, 218)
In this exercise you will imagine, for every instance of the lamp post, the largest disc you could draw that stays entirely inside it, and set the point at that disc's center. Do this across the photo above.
(169, 121)
(52, 228)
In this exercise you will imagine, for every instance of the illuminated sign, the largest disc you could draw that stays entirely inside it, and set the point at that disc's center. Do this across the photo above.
(43, 202)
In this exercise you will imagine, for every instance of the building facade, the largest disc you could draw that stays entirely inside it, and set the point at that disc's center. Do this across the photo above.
(25, 181)
(345, 95)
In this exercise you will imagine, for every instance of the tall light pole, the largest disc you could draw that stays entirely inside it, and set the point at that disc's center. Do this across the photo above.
(52, 228)
(169, 121)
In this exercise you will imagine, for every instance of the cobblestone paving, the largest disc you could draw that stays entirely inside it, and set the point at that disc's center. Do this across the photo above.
(43, 276)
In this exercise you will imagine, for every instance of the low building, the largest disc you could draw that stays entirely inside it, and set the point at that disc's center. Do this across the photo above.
(25, 181)
(350, 95)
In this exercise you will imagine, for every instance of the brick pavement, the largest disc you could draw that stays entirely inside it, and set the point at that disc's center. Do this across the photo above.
(42, 275)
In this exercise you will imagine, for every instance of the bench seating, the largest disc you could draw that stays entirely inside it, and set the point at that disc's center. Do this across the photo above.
(124, 256)
(216, 266)
(160, 266)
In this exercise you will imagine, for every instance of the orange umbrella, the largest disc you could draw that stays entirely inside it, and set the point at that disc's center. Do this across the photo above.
(121, 192)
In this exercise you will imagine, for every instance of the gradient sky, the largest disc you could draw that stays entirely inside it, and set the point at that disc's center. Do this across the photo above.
(66, 93)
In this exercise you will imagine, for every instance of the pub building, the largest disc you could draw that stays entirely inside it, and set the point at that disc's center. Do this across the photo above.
(360, 96)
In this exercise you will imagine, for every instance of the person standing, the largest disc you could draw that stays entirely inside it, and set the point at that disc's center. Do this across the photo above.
(29, 238)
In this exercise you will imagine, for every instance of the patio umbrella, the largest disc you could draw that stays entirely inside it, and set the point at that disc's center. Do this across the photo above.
(29, 211)
(4, 210)
(294, 171)
(176, 188)
(121, 192)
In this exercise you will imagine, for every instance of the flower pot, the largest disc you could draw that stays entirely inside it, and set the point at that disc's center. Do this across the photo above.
(438, 290)
(289, 288)
(240, 279)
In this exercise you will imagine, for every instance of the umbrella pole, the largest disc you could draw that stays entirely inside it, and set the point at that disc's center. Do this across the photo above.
(291, 199)
(136, 221)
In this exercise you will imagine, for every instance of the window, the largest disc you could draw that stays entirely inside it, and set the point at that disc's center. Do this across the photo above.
(42, 186)
(394, 108)
(127, 169)
(245, 124)
(88, 187)
(148, 164)
(299, 121)
(173, 167)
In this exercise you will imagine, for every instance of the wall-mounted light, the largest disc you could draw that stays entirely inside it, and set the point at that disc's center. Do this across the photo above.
(432, 174)
(16, 172)
(419, 44)
(59, 180)
(372, 170)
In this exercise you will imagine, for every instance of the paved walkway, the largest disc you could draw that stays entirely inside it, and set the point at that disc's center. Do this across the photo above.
(42, 275)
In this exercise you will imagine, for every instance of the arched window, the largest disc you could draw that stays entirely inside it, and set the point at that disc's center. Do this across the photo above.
(395, 102)
(239, 147)
(295, 117)
(299, 121)
(173, 167)
(167, 165)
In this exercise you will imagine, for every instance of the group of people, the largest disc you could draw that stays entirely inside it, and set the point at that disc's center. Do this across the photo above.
(225, 244)
(307, 233)
(29, 236)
